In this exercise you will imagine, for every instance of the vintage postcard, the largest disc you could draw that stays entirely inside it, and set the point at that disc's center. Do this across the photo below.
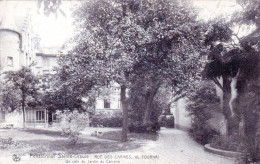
(129, 81)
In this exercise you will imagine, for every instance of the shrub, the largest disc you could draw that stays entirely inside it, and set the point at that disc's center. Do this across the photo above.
(230, 143)
(202, 101)
(114, 119)
(141, 128)
(72, 123)
(9, 143)
(137, 102)
(202, 134)
(251, 153)
(167, 121)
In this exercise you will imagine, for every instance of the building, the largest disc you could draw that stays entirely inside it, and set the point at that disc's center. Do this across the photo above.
(109, 101)
(45, 62)
(183, 120)
(16, 45)
(16, 38)
(21, 46)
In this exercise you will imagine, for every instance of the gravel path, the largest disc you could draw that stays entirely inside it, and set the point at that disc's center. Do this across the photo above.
(176, 147)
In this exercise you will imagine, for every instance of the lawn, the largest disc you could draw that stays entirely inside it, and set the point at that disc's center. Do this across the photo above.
(116, 136)
(38, 141)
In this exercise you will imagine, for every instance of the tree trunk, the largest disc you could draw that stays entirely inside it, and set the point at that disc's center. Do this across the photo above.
(222, 96)
(242, 127)
(226, 112)
(220, 92)
(23, 109)
(234, 94)
(224, 105)
(125, 113)
(148, 104)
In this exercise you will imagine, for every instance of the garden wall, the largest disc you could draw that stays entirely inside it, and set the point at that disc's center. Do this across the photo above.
(182, 119)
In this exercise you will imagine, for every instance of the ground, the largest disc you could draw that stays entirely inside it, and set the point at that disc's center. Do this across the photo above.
(49, 141)
(173, 147)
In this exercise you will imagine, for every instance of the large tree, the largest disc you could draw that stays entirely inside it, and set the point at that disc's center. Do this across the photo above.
(235, 70)
(120, 40)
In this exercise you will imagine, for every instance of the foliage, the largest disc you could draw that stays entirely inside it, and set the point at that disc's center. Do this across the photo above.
(113, 41)
(58, 94)
(9, 143)
(252, 126)
(107, 119)
(250, 12)
(137, 100)
(139, 127)
(231, 143)
(233, 63)
(202, 100)
(116, 41)
(167, 121)
(21, 90)
(50, 7)
(24, 84)
(72, 123)
(10, 99)
(218, 31)
(202, 133)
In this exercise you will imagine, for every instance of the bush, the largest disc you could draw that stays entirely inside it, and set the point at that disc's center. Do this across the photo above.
(202, 133)
(250, 150)
(167, 121)
(9, 143)
(202, 101)
(72, 123)
(141, 128)
(251, 153)
(231, 143)
(107, 119)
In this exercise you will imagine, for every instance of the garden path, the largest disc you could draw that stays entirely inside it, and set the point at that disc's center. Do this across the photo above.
(176, 147)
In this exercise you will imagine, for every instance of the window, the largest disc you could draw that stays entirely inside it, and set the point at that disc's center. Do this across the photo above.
(10, 61)
(40, 115)
(106, 104)
(54, 117)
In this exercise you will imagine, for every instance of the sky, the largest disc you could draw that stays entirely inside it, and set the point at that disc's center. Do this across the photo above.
(55, 31)
(210, 9)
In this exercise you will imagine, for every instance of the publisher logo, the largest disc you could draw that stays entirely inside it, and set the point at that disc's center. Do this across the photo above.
(16, 157)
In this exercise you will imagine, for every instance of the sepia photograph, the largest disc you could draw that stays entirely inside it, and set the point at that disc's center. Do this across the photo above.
(129, 81)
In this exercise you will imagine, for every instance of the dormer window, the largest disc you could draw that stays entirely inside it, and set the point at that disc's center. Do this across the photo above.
(10, 61)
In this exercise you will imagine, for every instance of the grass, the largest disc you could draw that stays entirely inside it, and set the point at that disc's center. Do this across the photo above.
(116, 136)
(44, 132)
(38, 141)
(82, 147)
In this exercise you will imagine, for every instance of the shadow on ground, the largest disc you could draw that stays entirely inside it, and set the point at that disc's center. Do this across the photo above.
(41, 141)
